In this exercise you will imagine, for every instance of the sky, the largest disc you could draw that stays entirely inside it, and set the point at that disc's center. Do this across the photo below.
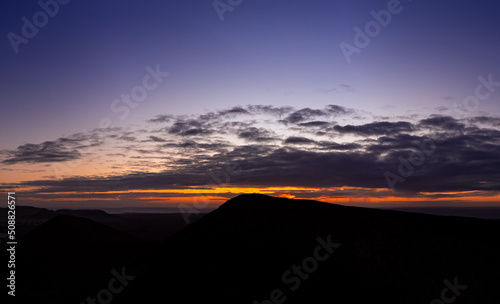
(184, 104)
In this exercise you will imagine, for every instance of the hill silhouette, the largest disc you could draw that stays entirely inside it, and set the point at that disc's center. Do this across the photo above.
(261, 249)
(146, 226)
(245, 252)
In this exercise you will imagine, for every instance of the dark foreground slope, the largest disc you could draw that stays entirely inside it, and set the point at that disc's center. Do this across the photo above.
(245, 252)
(69, 258)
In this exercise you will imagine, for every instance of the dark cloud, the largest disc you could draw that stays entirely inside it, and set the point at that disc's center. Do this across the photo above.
(188, 144)
(395, 143)
(235, 124)
(256, 134)
(144, 151)
(156, 139)
(338, 110)
(162, 119)
(297, 140)
(443, 122)
(246, 152)
(303, 114)
(327, 145)
(49, 151)
(314, 124)
(217, 147)
(494, 121)
(376, 128)
(60, 150)
(189, 128)
(223, 114)
(195, 131)
(233, 112)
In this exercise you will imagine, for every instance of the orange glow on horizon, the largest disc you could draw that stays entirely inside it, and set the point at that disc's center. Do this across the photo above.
(214, 196)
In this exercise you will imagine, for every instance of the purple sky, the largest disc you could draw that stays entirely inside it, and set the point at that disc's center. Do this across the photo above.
(426, 61)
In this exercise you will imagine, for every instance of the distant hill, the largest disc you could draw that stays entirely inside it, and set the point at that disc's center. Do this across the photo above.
(146, 226)
(245, 252)
(26, 213)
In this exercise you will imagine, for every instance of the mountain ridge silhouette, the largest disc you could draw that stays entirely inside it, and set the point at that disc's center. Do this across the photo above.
(238, 253)
(247, 249)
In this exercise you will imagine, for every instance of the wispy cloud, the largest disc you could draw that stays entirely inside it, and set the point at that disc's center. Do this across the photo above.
(59, 150)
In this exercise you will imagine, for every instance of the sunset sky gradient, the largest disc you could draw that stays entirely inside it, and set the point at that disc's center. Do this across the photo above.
(263, 101)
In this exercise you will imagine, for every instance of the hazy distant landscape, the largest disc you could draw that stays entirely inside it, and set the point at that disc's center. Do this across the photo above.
(161, 224)
(147, 226)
